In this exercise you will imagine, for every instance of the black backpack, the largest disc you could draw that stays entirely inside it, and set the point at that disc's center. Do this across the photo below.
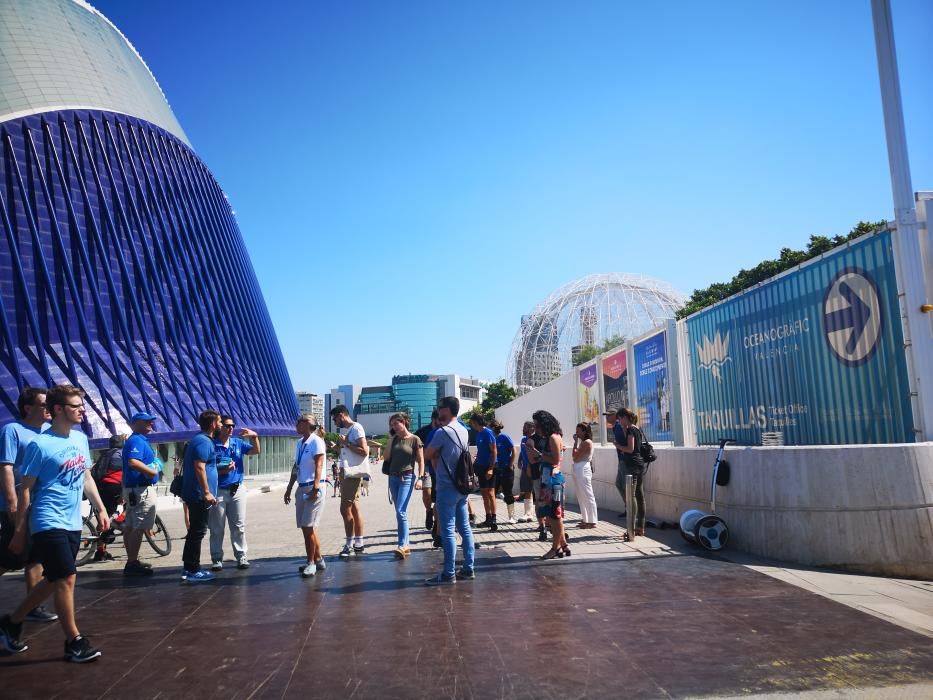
(463, 476)
(102, 465)
(646, 450)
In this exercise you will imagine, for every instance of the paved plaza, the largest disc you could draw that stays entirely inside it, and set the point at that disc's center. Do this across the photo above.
(659, 619)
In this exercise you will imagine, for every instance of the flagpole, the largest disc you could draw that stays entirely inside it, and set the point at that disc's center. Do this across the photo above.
(918, 324)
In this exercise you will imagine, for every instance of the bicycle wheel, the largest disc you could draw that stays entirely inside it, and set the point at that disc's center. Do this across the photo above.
(88, 544)
(159, 538)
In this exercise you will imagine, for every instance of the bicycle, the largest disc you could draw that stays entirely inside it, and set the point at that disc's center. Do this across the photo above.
(158, 537)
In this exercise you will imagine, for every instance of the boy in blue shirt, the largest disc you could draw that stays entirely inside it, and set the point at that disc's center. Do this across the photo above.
(14, 438)
(485, 468)
(56, 471)
(505, 468)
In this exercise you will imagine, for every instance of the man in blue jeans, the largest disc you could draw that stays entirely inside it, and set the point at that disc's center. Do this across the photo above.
(450, 439)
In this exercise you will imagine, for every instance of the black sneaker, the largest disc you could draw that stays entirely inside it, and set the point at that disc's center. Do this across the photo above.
(80, 651)
(134, 568)
(494, 526)
(358, 549)
(345, 552)
(542, 535)
(436, 543)
(466, 574)
(40, 614)
(10, 636)
(103, 555)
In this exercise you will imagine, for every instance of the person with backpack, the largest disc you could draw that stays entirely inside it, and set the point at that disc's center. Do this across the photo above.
(108, 475)
(632, 463)
(449, 452)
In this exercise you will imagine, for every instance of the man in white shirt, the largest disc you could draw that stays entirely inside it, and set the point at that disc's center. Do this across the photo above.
(353, 453)
(309, 500)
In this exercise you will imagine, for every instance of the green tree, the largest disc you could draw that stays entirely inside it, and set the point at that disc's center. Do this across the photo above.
(497, 394)
(584, 354)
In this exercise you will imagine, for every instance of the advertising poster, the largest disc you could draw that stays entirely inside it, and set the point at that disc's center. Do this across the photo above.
(653, 387)
(588, 393)
(814, 357)
(615, 380)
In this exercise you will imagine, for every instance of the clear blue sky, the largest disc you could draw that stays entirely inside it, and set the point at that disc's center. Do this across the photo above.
(411, 177)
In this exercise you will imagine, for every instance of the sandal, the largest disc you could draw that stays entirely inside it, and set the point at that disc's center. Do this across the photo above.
(551, 554)
(566, 551)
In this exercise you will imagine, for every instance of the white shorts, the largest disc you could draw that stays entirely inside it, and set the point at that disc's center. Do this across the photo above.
(307, 512)
(141, 516)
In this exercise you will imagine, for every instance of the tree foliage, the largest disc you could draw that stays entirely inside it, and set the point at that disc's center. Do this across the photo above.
(587, 352)
(701, 298)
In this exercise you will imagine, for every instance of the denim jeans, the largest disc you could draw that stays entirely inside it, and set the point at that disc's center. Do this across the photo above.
(400, 487)
(453, 517)
(197, 516)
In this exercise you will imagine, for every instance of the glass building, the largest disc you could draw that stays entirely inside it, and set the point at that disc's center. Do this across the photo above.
(416, 395)
(111, 232)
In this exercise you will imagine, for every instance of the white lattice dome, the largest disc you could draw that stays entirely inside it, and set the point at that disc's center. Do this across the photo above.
(587, 311)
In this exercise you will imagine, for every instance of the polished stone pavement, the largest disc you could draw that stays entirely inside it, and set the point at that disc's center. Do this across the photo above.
(669, 622)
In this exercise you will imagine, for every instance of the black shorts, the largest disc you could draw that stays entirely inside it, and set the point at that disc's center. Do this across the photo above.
(56, 551)
(486, 476)
(110, 495)
(8, 560)
(505, 482)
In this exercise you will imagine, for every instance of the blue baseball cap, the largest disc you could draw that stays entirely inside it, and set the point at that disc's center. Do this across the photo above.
(141, 415)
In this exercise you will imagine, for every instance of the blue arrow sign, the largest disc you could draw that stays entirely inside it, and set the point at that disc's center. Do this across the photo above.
(856, 317)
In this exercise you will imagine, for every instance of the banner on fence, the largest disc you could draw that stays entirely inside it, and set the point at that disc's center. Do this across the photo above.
(815, 356)
(653, 387)
(588, 393)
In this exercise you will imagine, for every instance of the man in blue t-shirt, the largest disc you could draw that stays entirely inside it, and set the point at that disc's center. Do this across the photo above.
(485, 468)
(199, 486)
(14, 438)
(56, 471)
(231, 501)
(506, 456)
(140, 471)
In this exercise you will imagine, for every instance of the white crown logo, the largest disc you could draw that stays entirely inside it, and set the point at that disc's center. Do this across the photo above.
(714, 353)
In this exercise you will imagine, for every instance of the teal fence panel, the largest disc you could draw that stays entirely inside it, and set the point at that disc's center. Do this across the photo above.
(816, 354)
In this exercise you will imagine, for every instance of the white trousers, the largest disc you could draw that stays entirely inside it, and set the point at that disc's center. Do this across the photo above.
(229, 509)
(583, 480)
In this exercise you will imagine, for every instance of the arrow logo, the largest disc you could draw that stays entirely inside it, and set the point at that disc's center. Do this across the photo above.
(856, 317)
(852, 316)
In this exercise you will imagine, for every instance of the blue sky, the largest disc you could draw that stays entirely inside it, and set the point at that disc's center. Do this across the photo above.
(411, 177)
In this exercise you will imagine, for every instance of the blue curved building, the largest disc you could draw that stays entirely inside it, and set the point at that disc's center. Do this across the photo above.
(118, 248)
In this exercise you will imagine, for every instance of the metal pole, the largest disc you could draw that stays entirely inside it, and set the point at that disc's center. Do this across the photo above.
(918, 327)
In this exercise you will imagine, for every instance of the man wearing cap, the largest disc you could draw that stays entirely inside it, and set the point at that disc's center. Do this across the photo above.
(231, 501)
(139, 473)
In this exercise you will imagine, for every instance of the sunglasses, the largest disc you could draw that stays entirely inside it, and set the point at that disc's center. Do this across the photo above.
(228, 426)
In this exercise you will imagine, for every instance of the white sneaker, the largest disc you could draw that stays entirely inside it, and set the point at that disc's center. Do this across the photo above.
(511, 521)
(309, 571)
(217, 565)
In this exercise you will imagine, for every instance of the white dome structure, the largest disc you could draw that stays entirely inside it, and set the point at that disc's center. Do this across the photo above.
(588, 311)
(66, 55)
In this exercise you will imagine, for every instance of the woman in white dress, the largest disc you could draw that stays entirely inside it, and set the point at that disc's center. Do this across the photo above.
(583, 475)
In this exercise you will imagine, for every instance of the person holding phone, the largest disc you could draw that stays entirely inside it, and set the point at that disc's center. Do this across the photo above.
(310, 453)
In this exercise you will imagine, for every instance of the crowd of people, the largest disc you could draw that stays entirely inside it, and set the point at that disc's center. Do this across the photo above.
(46, 469)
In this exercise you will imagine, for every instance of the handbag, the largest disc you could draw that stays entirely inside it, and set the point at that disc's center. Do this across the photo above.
(387, 463)
(177, 486)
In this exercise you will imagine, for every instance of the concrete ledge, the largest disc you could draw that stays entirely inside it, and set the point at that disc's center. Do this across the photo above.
(866, 508)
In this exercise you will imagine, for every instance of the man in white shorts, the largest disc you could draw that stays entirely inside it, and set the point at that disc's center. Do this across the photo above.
(309, 499)
(140, 473)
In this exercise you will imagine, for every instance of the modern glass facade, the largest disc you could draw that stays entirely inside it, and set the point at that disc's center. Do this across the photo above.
(376, 399)
(417, 396)
(119, 252)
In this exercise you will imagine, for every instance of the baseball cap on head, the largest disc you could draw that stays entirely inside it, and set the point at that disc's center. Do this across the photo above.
(141, 415)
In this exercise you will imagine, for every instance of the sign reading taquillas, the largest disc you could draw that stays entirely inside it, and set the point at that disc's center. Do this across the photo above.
(816, 354)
